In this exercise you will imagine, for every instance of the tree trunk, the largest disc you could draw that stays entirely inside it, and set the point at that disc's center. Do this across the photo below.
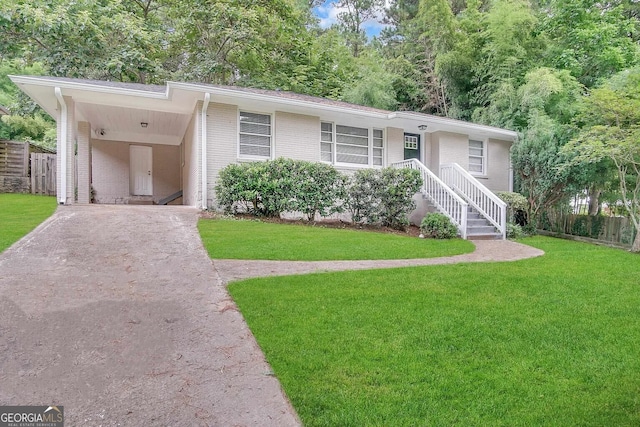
(594, 202)
(636, 242)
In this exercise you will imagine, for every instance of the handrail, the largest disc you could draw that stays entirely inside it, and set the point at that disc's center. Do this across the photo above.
(477, 195)
(440, 195)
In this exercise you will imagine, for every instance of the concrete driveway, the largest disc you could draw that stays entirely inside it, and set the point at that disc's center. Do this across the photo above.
(116, 313)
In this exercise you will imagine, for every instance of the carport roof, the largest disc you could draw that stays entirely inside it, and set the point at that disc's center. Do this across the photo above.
(179, 99)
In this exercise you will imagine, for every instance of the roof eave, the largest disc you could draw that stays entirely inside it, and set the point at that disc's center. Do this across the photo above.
(472, 127)
(276, 99)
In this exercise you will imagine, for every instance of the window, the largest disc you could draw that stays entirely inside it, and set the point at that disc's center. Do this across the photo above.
(411, 142)
(351, 145)
(326, 142)
(378, 147)
(255, 135)
(476, 157)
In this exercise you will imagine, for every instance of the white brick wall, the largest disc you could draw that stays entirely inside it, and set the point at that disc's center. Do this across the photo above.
(191, 169)
(395, 145)
(84, 162)
(297, 136)
(498, 162)
(222, 144)
(110, 167)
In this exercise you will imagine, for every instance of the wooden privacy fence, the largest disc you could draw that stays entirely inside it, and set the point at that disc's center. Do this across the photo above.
(43, 174)
(610, 229)
(14, 158)
(14, 167)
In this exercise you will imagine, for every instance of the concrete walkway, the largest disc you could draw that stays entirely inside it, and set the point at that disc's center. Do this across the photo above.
(117, 313)
(486, 251)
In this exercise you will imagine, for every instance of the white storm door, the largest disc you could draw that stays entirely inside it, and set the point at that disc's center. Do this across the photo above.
(140, 161)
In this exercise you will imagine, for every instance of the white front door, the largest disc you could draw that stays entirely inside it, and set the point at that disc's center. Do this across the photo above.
(140, 161)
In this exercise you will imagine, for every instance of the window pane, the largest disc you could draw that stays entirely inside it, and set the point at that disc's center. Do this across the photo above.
(351, 158)
(475, 168)
(255, 128)
(264, 141)
(475, 152)
(326, 127)
(351, 149)
(377, 133)
(255, 150)
(326, 157)
(475, 144)
(348, 130)
(377, 161)
(326, 136)
(255, 118)
(348, 139)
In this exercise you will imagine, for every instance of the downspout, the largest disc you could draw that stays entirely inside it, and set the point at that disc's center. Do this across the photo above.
(62, 193)
(203, 148)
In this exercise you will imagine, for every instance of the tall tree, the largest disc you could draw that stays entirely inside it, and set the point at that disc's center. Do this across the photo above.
(611, 118)
(352, 18)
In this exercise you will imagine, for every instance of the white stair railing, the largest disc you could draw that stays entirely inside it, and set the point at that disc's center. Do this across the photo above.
(440, 195)
(477, 195)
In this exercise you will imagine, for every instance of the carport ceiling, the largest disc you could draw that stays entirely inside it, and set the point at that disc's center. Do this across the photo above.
(125, 124)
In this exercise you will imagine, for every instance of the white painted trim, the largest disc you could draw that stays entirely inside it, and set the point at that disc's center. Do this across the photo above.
(62, 194)
(272, 136)
(203, 149)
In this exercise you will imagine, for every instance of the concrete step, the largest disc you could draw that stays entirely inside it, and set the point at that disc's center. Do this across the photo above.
(140, 200)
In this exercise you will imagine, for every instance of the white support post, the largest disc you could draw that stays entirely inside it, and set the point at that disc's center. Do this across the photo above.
(62, 191)
(203, 148)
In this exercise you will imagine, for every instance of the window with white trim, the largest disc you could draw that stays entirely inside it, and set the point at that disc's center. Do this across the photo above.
(255, 135)
(326, 142)
(342, 144)
(477, 153)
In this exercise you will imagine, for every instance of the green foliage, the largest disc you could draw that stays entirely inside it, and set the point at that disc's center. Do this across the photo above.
(318, 189)
(363, 196)
(21, 213)
(515, 231)
(245, 239)
(439, 226)
(276, 186)
(383, 196)
(398, 186)
(515, 202)
(526, 343)
(611, 130)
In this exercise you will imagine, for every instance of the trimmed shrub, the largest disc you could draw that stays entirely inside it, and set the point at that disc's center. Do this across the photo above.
(398, 186)
(275, 186)
(516, 206)
(363, 196)
(514, 231)
(318, 188)
(439, 226)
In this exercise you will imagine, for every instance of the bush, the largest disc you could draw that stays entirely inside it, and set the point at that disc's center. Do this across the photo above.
(439, 226)
(318, 188)
(259, 188)
(383, 196)
(275, 186)
(363, 196)
(398, 186)
(515, 231)
(517, 206)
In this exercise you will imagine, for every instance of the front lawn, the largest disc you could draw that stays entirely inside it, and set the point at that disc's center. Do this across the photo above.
(549, 341)
(245, 239)
(21, 213)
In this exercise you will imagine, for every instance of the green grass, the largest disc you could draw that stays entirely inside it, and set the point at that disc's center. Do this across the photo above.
(550, 341)
(232, 239)
(21, 213)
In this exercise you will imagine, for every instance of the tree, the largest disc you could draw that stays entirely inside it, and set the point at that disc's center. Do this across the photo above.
(355, 14)
(611, 118)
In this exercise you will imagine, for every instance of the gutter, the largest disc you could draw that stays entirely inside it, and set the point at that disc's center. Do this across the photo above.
(203, 148)
(62, 193)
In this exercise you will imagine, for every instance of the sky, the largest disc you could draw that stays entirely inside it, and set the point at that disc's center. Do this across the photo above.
(328, 13)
